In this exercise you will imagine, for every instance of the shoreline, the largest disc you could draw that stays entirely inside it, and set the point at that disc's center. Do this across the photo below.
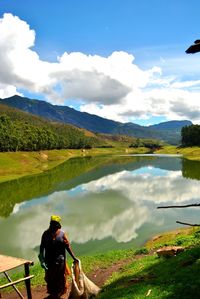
(14, 165)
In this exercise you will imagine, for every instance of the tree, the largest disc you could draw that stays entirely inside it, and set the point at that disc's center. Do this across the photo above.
(190, 135)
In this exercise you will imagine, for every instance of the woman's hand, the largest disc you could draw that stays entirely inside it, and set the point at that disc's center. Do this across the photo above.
(76, 260)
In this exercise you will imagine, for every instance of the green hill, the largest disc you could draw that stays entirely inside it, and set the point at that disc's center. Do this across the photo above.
(169, 132)
(23, 131)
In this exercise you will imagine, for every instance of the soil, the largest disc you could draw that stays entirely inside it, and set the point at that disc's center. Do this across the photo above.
(99, 277)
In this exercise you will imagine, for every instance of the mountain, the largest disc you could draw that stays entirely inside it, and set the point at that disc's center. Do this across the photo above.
(171, 125)
(63, 114)
(168, 131)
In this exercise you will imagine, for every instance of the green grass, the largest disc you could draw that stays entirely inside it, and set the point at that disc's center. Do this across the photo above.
(191, 153)
(17, 164)
(175, 277)
(89, 264)
(184, 237)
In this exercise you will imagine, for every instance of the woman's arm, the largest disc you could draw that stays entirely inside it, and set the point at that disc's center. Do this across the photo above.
(41, 254)
(68, 247)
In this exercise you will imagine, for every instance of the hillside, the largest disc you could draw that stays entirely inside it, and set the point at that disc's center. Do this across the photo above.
(168, 131)
(23, 131)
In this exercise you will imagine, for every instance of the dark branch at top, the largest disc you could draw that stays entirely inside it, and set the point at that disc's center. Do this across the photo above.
(184, 206)
(194, 48)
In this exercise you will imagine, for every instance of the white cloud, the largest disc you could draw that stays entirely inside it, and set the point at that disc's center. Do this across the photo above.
(113, 87)
(8, 90)
(20, 66)
(186, 84)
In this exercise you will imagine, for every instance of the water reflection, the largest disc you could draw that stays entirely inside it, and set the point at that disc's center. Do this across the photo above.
(191, 169)
(112, 202)
(63, 177)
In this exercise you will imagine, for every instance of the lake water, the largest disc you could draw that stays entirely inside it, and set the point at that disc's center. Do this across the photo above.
(105, 202)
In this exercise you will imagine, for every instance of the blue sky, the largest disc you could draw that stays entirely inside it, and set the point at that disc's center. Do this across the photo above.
(123, 60)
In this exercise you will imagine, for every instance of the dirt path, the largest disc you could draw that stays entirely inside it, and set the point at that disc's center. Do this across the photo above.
(99, 277)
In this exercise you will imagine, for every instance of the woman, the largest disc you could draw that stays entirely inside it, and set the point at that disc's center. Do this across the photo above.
(52, 256)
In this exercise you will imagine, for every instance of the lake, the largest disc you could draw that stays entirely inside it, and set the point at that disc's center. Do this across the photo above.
(107, 202)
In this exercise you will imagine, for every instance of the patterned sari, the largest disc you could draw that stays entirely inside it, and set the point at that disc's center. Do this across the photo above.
(56, 278)
(53, 250)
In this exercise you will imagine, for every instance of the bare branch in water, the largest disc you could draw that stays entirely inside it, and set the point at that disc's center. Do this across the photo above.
(184, 206)
(184, 223)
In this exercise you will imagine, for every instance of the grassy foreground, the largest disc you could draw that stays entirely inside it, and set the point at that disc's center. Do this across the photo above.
(143, 274)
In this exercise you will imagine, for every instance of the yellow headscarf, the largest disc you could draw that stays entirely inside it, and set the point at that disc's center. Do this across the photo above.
(56, 218)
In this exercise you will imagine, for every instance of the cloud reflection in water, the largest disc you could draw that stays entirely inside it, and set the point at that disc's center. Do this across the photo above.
(115, 206)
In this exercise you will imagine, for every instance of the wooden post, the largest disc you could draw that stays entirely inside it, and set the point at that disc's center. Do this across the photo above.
(27, 282)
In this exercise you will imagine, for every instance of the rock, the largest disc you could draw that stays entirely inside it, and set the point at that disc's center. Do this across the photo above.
(169, 251)
(43, 156)
(156, 238)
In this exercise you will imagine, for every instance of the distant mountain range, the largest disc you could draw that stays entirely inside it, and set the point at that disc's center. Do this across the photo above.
(166, 131)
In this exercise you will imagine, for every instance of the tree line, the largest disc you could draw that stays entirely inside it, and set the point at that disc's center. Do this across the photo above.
(20, 135)
(149, 143)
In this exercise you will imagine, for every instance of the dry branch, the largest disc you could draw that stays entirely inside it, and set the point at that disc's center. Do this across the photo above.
(184, 223)
(184, 206)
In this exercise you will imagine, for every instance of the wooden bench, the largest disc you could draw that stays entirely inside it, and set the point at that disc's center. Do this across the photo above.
(8, 263)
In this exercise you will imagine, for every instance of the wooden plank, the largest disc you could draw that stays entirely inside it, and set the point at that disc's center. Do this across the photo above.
(9, 262)
(15, 288)
(16, 281)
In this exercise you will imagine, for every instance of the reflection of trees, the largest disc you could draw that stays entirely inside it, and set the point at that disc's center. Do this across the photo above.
(72, 173)
(68, 175)
(191, 169)
(24, 189)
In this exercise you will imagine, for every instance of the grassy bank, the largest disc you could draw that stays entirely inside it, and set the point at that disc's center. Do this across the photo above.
(191, 153)
(175, 277)
(142, 273)
(14, 165)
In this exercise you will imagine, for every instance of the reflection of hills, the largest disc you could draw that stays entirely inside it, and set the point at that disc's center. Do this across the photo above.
(72, 173)
(167, 163)
(124, 163)
(191, 169)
